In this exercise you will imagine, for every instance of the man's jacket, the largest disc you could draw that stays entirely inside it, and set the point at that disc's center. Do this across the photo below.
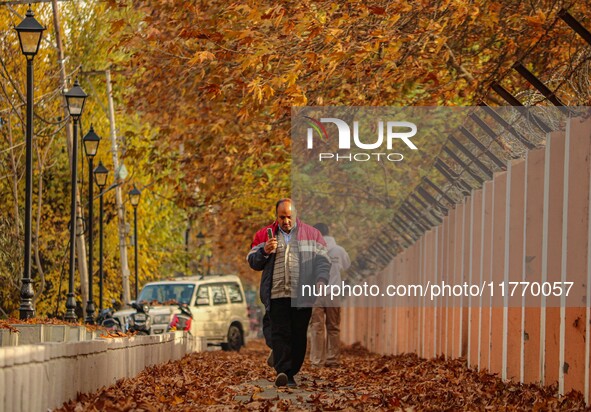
(313, 257)
(340, 260)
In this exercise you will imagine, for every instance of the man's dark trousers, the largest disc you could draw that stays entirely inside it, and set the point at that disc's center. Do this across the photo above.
(289, 328)
(267, 330)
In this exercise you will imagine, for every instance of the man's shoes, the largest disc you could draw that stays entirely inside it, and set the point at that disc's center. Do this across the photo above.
(291, 383)
(270, 360)
(281, 380)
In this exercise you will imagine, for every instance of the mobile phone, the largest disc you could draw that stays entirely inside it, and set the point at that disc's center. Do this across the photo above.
(269, 233)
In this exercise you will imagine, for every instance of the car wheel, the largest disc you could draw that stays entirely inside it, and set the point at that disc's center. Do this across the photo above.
(234, 339)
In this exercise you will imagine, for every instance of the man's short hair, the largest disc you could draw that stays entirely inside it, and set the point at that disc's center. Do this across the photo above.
(280, 201)
(322, 228)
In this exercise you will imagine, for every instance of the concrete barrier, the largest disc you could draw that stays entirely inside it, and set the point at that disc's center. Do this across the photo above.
(42, 376)
(8, 338)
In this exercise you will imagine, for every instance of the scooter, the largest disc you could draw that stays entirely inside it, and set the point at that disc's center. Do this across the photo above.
(139, 321)
(181, 321)
(106, 320)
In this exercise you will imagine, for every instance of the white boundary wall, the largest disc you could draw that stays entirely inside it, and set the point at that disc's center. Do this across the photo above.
(40, 377)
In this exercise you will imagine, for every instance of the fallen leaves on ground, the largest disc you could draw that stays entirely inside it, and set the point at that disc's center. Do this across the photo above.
(110, 334)
(12, 323)
(5, 324)
(217, 381)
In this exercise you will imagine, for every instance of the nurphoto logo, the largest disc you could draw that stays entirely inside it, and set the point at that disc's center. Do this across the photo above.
(394, 131)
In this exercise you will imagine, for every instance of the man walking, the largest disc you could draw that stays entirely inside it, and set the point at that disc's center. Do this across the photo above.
(326, 312)
(291, 255)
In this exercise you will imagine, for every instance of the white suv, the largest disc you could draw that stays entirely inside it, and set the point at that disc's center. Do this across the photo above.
(217, 304)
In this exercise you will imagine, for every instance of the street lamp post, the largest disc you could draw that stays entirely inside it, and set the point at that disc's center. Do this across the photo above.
(75, 98)
(91, 142)
(100, 177)
(134, 198)
(29, 35)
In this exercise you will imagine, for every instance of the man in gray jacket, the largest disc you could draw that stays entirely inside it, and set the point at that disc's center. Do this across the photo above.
(326, 312)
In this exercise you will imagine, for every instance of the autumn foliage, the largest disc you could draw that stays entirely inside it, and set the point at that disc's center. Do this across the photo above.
(219, 79)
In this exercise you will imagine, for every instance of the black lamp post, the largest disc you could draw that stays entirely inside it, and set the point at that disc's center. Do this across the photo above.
(75, 98)
(91, 142)
(100, 177)
(29, 35)
(134, 199)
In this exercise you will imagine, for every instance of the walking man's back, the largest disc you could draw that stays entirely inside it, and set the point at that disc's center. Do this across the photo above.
(326, 314)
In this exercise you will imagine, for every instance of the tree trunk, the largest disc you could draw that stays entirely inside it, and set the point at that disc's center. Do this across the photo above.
(14, 169)
(118, 195)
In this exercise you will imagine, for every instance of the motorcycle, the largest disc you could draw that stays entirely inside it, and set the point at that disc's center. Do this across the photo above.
(139, 321)
(181, 321)
(106, 320)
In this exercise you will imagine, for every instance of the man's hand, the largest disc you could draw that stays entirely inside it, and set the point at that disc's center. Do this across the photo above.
(271, 245)
(320, 287)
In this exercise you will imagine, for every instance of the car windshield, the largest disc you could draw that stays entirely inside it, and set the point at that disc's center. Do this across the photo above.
(167, 294)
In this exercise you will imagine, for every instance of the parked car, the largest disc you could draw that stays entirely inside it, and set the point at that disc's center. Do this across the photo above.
(217, 304)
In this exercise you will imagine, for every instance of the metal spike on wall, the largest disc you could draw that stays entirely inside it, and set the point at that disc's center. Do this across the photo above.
(540, 86)
(492, 113)
(440, 192)
(482, 148)
(463, 165)
(575, 25)
(469, 155)
(512, 100)
(452, 177)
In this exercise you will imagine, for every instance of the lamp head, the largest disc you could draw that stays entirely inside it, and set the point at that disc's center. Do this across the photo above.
(75, 98)
(29, 32)
(134, 196)
(100, 175)
(91, 142)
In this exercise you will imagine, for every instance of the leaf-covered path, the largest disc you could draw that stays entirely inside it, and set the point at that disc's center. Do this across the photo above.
(219, 381)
